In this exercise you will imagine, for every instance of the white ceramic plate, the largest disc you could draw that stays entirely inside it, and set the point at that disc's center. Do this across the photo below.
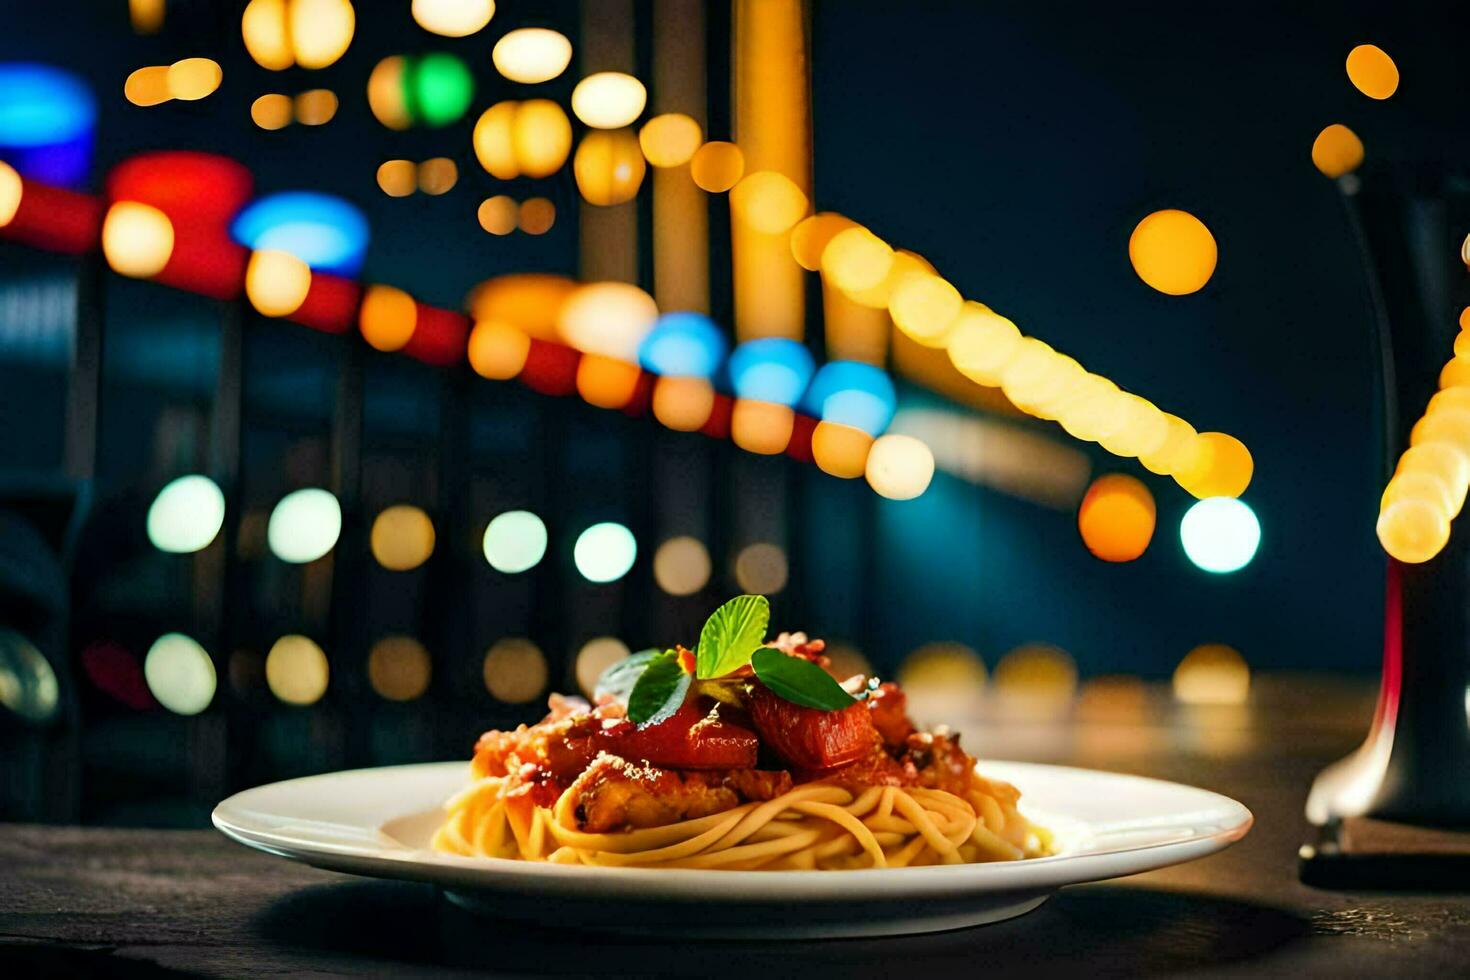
(378, 822)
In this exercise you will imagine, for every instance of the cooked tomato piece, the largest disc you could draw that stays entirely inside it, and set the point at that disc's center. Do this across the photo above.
(888, 707)
(809, 738)
(694, 737)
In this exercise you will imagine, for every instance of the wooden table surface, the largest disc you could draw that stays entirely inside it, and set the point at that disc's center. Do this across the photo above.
(147, 902)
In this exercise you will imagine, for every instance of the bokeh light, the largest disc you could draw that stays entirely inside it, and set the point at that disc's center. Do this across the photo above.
(1036, 680)
(437, 175)
(438, 88)
(399, 668)
(537, 215)
(296, 670)
(272, 111)
(304, 525)
(498, 215)
(531, 55)
(981, 343)
(771, 369)
(192, 79)
(186, 515)
(388, 317)
(899, 467)
(1413, 530)
(11, 191)
(276, 282)
(398, 178)
(453, 18)
(761, 568)
(47, 118)
(670, 140)
(596, 655)
(768, 201)
(515, 671)
(683, 345)
(681, 565)
(1221, 466)
(761, 427)
(1116, 518)
(137, 239)
(925, 307)
(853, 394)
(1212, 673)
(609, 167)
(402, 537)
(326, 232)
(1220, 534)
(311, 33)
(607, 382)
(515, 542)
(810, 237)
(717, 166)
(108, 665)
(514, 139)
(1173, 252)
(609, 99)
(683, 404)
(855, 259)
(1337, 150)
(943, 679)
(605, 552)
(497, 350)
(316, 106)
(28, 685)
(385, 93)
(1372, 71)
(180, 674)
(841, 450)
(608, 318)
(148, 86)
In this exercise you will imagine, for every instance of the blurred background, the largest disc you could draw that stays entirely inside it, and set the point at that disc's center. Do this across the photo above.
(236, 547)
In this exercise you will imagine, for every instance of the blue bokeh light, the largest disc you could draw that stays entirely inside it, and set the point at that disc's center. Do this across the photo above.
(772, 369)
(683, 345)
(47, 117)
(853, 393)
(325, 232)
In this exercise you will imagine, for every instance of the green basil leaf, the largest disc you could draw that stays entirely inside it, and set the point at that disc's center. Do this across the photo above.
(659, 691)
(735, 631)
(799, 681)
(619, 678)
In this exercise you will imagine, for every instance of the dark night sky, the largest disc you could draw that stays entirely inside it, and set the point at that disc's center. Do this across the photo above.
(1015, 145)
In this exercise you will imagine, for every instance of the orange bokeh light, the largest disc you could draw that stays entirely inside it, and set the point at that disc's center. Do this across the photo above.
(1117, 518)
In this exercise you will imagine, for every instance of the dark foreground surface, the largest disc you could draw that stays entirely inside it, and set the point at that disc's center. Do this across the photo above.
(79, 901)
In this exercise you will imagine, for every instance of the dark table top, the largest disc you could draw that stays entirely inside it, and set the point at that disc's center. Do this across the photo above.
(126, 902)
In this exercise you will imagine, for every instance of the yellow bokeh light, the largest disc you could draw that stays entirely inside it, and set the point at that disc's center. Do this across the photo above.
(498, 215)
(1372, 71)
(1450, 425)
(1337, 150)
(596, 656)
(399, 668)
(498, 350)
(1117, 518)
(385, 94)
(452, 18)
(296, 670)
(537, 215)
(681, 566)
(146, 16)
(388, 317)
(541, 137)
(12, 189)
(1413, 530)
(1443, 461)
(683, 404)
(192, 79)
(320, 30)
(609, 318)
(717, 166)
(899, 467)
(981, 343)
(1222, 468)
(906, 265)
(1168, 456)
(1212, 673)
(137, 239)
(437, 175)
(515, 671)
(841, 450)
(316, 106)
(263, 26)
(609, 99)
(1037, 678)
(1095, 411)
(1029, 372)
(276, 282)
(402, 537)
(810, 237)
(398, 178)
(148, 86)
(1173, 252)
(494, 140)
(670, 139)
(925, 307)
(609, 167)
(529, 301)
(767, 201)
(531, 55)
(761, 427)
(272, 111)
(606, 382)
(761, 569)
(855, 259)
(1456, 373)
(1423, 486)
(1145, 430)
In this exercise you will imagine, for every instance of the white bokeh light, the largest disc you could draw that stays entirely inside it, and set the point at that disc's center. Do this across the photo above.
(304, 526)
(605, 552)
(186, 515)
(1220, 534)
